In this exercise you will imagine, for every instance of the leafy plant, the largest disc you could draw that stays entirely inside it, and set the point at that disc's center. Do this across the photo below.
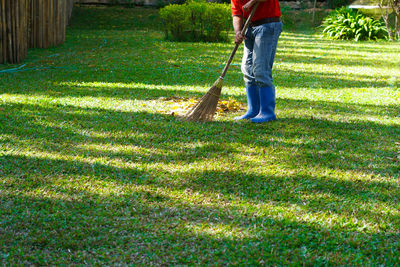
(347, 24)
(196, 21)
(176, 19)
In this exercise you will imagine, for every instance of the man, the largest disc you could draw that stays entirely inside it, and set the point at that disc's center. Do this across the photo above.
(260, 42)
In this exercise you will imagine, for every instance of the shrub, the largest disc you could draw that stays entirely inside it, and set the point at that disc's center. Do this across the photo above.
(197, 21)
(175, 20)
(347, 24)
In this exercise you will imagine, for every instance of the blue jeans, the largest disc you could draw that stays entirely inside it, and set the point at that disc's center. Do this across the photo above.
(259, 54)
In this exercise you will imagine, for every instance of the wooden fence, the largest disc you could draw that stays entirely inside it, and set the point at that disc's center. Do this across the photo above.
(31, 24)
(47, 24)
(13, 31)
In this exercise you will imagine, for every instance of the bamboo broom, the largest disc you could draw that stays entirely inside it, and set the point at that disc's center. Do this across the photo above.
(205, 108)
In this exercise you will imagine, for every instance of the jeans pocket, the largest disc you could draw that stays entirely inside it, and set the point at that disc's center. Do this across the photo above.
(265, 31)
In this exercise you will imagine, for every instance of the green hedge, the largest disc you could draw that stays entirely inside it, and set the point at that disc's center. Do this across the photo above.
(197, 21)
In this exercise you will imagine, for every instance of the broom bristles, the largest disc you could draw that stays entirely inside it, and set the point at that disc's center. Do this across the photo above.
(206, 107)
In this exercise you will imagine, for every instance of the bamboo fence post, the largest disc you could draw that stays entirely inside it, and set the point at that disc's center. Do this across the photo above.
(13, 30)
(31, 23)
(2, 52)
(48, 22)
(70, 6)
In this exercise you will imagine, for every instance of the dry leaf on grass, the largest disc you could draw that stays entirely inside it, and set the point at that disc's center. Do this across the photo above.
(181, 105)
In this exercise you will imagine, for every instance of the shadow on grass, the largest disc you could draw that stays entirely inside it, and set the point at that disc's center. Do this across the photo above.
(311, 139)
(115, 18)
(311, 57)
(128, 89)
(337, 108)
(147, 225)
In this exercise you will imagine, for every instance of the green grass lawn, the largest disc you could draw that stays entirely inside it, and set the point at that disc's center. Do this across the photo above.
(94, 169)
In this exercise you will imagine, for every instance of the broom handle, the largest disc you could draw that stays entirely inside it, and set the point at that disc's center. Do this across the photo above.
(246, 25)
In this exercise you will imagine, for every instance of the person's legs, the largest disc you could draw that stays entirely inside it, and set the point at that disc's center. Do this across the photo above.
(253, 101)
(247, 61)
(264, 50)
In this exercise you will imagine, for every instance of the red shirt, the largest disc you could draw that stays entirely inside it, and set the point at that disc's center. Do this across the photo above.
(267, 9)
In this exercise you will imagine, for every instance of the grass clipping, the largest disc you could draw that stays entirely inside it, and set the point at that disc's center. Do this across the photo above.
(179, 106)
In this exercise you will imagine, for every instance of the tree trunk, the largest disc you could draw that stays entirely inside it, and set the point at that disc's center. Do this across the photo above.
(313, 13)
(396, 9)
(385, 16)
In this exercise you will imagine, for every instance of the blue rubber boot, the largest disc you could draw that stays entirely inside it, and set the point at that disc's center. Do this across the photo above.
(267, 105)
(253, 103)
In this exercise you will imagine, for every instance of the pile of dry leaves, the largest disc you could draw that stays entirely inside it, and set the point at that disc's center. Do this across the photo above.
(181, 105)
